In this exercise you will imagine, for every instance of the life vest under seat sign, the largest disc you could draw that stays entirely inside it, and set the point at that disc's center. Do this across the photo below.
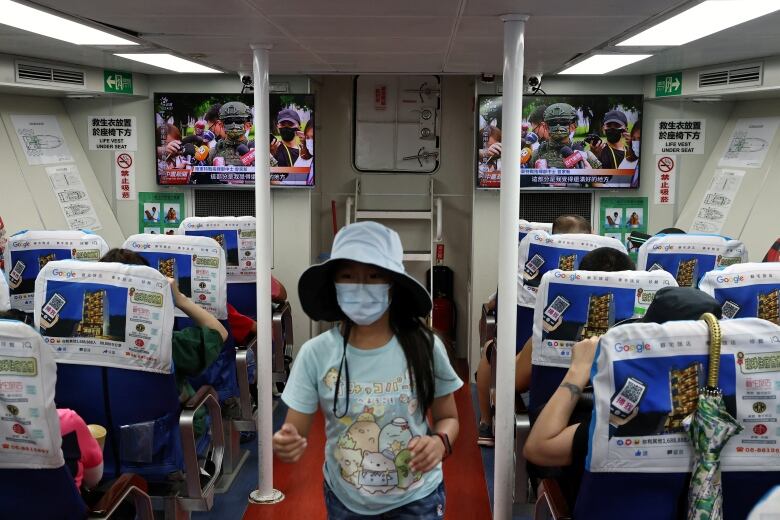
(646, 385)
(748, 290)
(29, 424)
(576, 305)
(525, 227)
(236, 235)
(196, 263)
(27, 252)
(689, 257)
(541, 252)
(106, 314)
(5, 295)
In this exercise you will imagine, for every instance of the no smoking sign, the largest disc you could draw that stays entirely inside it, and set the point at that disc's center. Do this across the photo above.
(665, 164)
(124, 160)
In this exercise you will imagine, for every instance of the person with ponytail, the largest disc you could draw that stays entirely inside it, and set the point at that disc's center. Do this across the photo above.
(376, 376)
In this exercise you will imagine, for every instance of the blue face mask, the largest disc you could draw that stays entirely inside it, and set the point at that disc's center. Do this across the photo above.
(363, 303)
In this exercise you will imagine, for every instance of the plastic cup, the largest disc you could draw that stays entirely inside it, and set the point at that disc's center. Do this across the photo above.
(99, 433)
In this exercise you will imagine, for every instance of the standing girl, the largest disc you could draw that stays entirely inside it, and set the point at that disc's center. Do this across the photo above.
(375, 377)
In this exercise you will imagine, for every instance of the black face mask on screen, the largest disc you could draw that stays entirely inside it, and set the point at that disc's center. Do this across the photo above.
(613, 134)
(287, 133)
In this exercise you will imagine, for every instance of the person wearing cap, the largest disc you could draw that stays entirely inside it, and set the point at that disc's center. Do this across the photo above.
(613, 152)
(557, 441)
(375, 377)
(288, 122)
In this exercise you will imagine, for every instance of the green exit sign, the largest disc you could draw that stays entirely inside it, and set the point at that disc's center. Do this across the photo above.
(668, 84)
(117, 82)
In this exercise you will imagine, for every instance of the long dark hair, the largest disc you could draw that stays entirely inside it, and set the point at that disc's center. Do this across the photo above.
(416, 340)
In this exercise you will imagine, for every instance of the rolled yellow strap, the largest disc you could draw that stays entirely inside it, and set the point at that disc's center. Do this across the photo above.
(715, 337)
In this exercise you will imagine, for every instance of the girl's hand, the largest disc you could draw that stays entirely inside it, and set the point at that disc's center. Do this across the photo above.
(427, 452)
(288, 443)
(178, 298)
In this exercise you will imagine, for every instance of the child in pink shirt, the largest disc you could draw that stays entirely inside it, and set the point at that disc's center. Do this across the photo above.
(82, 452)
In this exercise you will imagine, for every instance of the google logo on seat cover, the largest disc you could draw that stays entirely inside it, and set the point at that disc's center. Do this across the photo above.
(730, 279)
(638, 348)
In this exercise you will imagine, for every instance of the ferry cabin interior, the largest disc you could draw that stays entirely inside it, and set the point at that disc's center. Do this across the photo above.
(397, 105)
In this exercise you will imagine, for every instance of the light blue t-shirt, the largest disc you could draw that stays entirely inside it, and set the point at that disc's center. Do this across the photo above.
(366, 455)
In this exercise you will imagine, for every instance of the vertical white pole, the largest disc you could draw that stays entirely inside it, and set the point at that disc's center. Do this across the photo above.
(265, 492)
(512, 114)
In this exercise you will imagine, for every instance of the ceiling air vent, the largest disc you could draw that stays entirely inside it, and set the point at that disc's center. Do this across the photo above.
(739, 76)
(44, 74)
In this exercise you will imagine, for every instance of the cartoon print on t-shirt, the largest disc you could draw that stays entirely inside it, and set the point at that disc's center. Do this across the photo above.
(372, 452)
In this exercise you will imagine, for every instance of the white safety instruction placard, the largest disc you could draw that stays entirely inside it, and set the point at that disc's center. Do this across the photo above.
(28, 252)
(112, 133)
(73, 198)
(41, 139)
(196, 263)
(717, 201)
(679, 136)
(646, 384)
(236, 235)
(576, 305)
(106, 314)
(749, 142)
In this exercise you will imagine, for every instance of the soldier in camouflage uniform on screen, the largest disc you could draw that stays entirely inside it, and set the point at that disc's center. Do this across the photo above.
(561, 121)
(237, 120)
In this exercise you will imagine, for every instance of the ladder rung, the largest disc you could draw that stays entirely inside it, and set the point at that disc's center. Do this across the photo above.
(392, 214)
(417, 256)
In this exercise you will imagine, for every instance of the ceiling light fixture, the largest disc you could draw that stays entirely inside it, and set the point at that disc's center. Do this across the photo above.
(47, 24)
(702, 20)
(170, 62)
(603, 63)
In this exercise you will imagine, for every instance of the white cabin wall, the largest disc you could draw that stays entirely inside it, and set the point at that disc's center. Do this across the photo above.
(453, 180)
(753, 215)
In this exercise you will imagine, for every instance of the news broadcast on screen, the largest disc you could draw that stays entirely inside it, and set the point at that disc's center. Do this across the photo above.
(210, 139)
(567, 141)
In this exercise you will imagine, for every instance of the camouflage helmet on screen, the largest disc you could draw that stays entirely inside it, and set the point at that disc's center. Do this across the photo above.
(560, 112)
(558, 117)
(233, 116)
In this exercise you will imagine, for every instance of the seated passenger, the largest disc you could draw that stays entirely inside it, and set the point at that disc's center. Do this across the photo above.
(83, 455)
(193, 348)
(244, 328)
(562, 224)
(553, 441)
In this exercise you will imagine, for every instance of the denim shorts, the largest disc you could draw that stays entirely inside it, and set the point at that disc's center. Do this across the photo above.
(430, 507)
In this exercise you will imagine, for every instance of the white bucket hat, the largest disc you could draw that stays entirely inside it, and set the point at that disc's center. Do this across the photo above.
(368, 243)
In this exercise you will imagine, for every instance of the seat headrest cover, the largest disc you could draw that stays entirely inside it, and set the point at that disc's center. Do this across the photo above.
(196, 263)
(27, 252)
(30, 428)
(106, 314)
(746, 290)
(646, 379)
(541, 252)
(688, 257)
(236, 235)
(574, 305)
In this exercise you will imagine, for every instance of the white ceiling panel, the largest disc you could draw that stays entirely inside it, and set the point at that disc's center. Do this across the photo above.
(366, 26)
(354, 36)
(349, 8)
(568, 7)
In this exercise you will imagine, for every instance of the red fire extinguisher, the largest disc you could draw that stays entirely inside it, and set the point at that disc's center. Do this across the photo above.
(444, 315)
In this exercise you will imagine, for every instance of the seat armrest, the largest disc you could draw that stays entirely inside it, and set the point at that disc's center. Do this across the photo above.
(242, 375)
(127, 485)
(551, 505)
(522, 429)
(205, 396)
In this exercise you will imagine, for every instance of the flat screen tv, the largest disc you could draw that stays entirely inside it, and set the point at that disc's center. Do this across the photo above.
(587, 142)
(195, 146)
